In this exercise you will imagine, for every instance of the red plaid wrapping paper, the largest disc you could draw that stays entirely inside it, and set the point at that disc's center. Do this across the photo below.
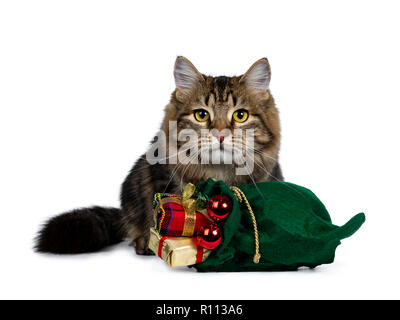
(172, 220)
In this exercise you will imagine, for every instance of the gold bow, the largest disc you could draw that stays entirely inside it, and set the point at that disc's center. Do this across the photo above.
(188, 203)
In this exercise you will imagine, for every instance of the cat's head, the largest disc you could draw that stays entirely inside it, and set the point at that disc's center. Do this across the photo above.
(213, 108)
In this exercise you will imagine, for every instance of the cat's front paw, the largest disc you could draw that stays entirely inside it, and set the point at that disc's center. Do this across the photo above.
(144, 252)
(141, 246)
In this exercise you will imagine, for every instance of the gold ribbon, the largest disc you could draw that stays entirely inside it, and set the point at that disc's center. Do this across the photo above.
(187, 201)
(189, 204)
(239, 194)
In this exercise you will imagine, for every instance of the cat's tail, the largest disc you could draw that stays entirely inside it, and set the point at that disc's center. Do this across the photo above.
(81, 230)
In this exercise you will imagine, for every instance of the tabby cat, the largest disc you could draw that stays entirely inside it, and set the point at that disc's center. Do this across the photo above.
(198, 102)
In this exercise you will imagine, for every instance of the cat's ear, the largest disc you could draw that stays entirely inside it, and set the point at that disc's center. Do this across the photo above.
(257, 78)
(187, 78)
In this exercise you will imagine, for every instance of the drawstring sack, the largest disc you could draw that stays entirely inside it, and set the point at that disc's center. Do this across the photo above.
(288, 228)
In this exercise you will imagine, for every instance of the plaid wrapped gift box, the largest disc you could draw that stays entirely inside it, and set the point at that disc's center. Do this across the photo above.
(171, 218)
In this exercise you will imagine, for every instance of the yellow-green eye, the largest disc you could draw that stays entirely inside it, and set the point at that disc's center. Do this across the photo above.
(201, 115)
(240, 115)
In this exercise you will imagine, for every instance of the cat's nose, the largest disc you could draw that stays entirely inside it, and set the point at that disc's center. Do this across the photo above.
(220, 135)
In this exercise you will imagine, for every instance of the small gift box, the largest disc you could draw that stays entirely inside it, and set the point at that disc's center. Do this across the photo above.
(177, 251)
(176, 218)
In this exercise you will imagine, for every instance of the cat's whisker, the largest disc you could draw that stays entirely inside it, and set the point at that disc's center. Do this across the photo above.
(262, 166)
(260, 152)
(173, 173)
(184, 112)
(271, 175)
(187, 167)
(253, 181)
(173, 155)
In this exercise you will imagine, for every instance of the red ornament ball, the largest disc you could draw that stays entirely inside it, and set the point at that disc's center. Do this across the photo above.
(219, 207)
(209, 237)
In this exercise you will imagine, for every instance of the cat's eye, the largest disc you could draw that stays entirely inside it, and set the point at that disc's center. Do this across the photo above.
(240, 115)
(201, 115)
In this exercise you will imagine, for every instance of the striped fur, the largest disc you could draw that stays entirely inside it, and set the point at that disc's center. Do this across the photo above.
(221, 96)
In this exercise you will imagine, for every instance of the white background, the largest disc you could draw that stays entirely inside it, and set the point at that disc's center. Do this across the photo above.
(82, 88)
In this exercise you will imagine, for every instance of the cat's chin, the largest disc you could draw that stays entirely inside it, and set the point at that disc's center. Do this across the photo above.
(225, 172)
(195, 173)
(225, 155)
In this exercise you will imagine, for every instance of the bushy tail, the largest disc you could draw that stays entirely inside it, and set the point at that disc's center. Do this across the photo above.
(81, 230)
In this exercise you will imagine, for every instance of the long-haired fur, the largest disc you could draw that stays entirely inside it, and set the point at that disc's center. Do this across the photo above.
(91, 229)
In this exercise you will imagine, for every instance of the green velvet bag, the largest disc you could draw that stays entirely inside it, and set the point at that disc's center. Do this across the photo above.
(294, 229)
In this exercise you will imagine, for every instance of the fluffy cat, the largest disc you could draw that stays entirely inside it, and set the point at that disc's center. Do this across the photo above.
(198, 102)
